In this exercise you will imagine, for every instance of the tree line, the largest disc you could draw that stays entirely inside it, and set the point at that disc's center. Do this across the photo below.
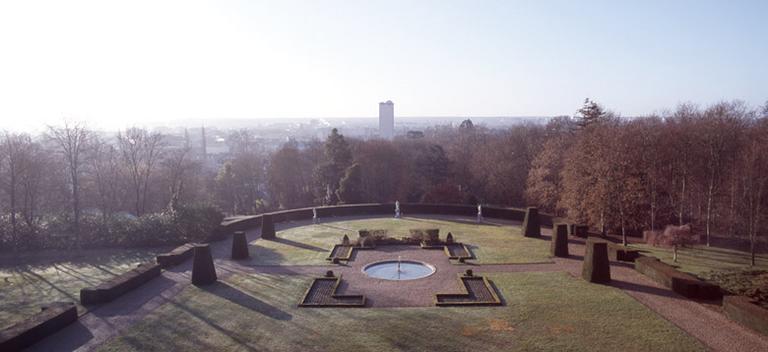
(703, 166)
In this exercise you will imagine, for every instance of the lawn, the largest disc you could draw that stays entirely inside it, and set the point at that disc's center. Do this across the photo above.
(309, 245)
(702, 261)
(543, 311)
(31, 280)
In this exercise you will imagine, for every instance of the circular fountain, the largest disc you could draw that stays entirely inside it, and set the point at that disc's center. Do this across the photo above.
(399, 270)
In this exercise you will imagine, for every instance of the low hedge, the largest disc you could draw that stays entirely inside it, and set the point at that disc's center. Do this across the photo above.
(682, 283)
(742, 310)
(119, 285)
(51, 319)
(175, 257)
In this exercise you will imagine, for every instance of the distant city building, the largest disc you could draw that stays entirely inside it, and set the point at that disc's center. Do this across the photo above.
(387, 119)
(415, 134)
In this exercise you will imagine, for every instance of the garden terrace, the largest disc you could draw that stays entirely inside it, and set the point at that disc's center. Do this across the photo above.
(258, 302)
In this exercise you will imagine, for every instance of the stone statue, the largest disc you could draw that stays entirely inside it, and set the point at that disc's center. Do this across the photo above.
(314, 215)
(479, 213)
(397, 209)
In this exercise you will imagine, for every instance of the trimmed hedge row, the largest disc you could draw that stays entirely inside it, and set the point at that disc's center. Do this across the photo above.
(742, 310)
(682, 283)
(119, 285)
(176, 256)
(35, 328)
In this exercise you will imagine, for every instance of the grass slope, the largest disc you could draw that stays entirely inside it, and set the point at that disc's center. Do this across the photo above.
(544, 311)
(58, 276)
(702, 260)
(309, 245)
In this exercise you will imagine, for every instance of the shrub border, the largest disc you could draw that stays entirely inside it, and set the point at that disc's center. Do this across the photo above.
(685, 284)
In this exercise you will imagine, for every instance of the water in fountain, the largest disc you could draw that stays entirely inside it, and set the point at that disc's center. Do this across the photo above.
(399, 270)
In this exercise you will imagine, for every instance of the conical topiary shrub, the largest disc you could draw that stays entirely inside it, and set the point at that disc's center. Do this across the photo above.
(267, 227)
(531, 226)
(203, 271)
(239, 246)
(449, 238)
(596, 267)
(559, 245)
(345, 241)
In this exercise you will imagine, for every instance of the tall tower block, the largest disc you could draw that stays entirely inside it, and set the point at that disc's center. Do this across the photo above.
(387, 119)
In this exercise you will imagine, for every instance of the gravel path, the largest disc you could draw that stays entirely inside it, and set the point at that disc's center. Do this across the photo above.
(700, 319)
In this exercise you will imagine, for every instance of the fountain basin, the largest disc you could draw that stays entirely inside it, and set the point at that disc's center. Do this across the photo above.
(408, 270)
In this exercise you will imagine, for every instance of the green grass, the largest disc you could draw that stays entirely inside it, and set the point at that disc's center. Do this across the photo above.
(50, 276)
(702, 261)
(544, 311)
(309, 245)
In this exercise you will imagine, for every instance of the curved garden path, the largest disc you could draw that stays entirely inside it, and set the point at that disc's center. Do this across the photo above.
(702, 320)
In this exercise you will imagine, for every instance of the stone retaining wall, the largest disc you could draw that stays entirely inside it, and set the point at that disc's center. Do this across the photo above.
(243, 223)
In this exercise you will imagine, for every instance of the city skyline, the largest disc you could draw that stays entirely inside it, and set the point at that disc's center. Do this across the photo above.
(114, 65)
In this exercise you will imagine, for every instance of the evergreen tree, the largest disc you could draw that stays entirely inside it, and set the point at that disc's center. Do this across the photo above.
(337, 158)
(590, 113)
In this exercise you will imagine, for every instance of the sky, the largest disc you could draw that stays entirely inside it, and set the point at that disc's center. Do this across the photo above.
(119, 63)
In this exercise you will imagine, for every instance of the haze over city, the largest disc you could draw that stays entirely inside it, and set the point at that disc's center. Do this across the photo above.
(142, 62)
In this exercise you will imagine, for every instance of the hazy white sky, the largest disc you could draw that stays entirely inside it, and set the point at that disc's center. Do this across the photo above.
(117, 63)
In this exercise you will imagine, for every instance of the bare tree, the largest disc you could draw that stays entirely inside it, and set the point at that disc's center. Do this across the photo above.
(72, 139)
(754, 176)
(15, 148)
(140, 149)
(177, 165)
(32, 178)
(104, 169)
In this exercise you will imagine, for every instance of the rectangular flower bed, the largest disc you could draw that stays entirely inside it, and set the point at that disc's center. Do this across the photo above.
(322, 293)
(477, 292)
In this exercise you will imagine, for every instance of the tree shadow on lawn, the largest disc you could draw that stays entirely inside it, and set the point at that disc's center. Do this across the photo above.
(260, 255)
(299, 244)
(133, 300)
(105, 257)
(629, 286)
(447, 221)
(234, 295)
(337, 227)
(212, 324)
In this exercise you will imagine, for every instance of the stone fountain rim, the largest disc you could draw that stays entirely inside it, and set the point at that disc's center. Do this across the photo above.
(412, 261)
